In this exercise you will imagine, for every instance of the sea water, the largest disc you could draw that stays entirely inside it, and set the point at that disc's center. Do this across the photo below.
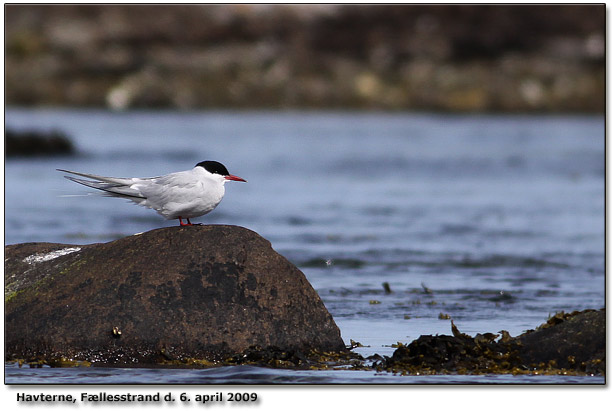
(495, 221)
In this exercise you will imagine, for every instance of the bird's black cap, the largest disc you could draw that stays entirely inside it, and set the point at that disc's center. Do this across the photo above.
(214, 167)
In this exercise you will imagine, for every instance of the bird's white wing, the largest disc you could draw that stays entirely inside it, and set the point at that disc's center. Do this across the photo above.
(160, 191)
(181, 194)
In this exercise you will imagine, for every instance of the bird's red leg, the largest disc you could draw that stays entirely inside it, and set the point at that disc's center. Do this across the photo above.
(189, 222)
(183, 224)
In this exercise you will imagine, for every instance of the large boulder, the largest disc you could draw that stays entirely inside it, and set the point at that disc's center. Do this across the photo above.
(181, 292)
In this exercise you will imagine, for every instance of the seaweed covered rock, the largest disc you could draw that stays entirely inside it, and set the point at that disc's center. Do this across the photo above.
(457, 353)
(169, 294)
(573, 342)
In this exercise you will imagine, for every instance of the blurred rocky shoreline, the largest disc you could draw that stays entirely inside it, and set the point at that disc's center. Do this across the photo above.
(471, 58)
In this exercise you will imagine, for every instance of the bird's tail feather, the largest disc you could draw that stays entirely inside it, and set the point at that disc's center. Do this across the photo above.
(113, 189)
(123, 181)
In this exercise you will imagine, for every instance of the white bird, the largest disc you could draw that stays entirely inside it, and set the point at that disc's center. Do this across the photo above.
(182, 195)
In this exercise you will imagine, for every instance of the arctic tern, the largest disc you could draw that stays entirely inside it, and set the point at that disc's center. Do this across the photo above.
(180, 195)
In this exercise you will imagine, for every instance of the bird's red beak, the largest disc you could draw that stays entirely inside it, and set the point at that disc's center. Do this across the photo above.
(234, 178)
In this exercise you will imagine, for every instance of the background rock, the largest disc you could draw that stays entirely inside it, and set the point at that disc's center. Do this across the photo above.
(172, 293)
(37, 143)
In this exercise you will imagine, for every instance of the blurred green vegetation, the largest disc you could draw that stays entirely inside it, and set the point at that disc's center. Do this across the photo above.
(465, 58)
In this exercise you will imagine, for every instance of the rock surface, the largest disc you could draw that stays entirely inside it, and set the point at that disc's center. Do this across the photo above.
(172, 293)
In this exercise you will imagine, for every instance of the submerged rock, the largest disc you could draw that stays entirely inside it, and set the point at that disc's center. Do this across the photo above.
(204, 292)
